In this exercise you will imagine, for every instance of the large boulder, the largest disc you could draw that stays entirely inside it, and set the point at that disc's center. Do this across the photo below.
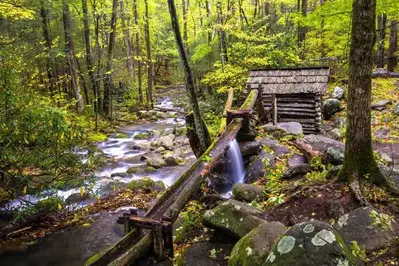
(156, 162)
(246, 192)
(258, 166)
(322, 143)
(249, 147)
(312, 244)
(331, 107)
(233, 217)
(335, 133)
(335, 155)
(296, 159)
(370, 228)
(339, 122)
(167, 141)
(396, 110)
(170, 158)
(280, 150)
(254, 247)
(207, 254)
(293, 128)
(297, 171)
(380, 105)
(338, 93)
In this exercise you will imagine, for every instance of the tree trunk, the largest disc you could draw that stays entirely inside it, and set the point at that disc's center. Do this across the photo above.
(359, 161)
(393, 46)
(138, 52)
(89, 56)
(301, 29)
(199, 125)
(70, 54)
(185, 35)
(208, 17)
(128, 43)
(382, 22)
(150, 78)
(99, 59)
(44, 13)
(222, 35)
(107, 102)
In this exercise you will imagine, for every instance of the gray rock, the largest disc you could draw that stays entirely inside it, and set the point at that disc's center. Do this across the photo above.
(334, 134)
(338, 93)
(142, 114)
(160, 149)
(359, 226)
(382, 133)
(170, 159)
(77, 198)
(335, 209)
(156, 162)
(159, 114)
(381, 105)
(333, 172)
(396, 110)
(207, 254)
(294, 128)
(322, 143)
(335, 155)
(120, 175)
(249, 147)
(297, 171)
(312, 244)
(331, 107)
(246, 192)
(258, 166)
(167, 141)
(233, 217)
(296, 159)
(255, 246)
(340, 122)
(280, 150)
(143, 135)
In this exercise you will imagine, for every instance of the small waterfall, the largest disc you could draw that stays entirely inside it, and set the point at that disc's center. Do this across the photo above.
(234, 165)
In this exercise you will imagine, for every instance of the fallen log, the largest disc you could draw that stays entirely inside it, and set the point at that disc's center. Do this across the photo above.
(137, 243)
(307, 150)
(227, 107)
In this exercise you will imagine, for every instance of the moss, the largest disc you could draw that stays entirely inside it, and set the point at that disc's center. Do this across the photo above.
(150, 169)
(145, 184)
(143, 135)
(121, 136)
(94, 258)
(97, 137)
(4, 196)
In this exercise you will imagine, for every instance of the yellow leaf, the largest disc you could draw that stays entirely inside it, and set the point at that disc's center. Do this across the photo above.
(86, 224)
(59, 206)
(82, 192)
(25, 189)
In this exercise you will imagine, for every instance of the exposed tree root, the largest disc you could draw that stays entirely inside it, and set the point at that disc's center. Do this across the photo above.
(354, 185)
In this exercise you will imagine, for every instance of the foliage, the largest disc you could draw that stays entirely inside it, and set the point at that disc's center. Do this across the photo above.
(381, 219)
(357, 251)
(320, 170)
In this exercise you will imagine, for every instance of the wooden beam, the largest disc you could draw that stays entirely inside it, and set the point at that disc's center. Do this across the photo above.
(274, 109)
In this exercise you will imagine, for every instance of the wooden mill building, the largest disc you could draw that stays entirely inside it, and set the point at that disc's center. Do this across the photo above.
(296, 93)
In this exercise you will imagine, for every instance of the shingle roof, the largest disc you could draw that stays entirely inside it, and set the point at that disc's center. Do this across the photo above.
(290, 81)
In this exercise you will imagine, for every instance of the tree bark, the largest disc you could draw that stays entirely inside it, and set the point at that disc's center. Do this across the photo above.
(99, 59)
(138, 52)
(382, 21)
(199, 126)
(70, 54)
(301, 29)
(393, 46)
(184, 4)
(359, 161)
(222, 35)
(128, 42)
(208, 16)
(150, 78)
(107, 102)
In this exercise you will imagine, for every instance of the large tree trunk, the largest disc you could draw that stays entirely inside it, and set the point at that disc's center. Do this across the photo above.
(138, 52)
(208, 19)
(382, 22)
(99, 59)
(50, 68)
(204, 140)
(107, 103)
(222, 35)
(150, 78)
(89, 56)
(359, 161)
(184, 4)
(70, 54)
(393, 46)
(128, 42)
(301, 29)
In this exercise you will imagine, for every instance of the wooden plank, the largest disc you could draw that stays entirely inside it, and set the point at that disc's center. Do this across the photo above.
(274, 109)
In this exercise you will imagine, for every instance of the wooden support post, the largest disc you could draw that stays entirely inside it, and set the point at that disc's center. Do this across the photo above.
(159, 244)
(126, 223)
(274, 109)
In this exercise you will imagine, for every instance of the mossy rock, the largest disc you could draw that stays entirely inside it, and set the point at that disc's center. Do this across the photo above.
(246, 192)
(254, 247)
(143, 135)
(121, 136)
(311, 244)
(146, 184)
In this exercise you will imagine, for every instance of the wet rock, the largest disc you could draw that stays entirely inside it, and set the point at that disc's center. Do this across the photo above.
(141, 146)
(143, 135)
(178, 131)
(149, 261)
(167, 141)
(381, 105)
(296, 159)
(364, 226)
(297, 171)
(161, 115)
(280, 150)
(331, 107)
(170, 159)
(146, 184)
(338, 93)
(207, 254)
(396, 110)
(258, 166)
(333, 173)
(137, 169)
(254, 247)
(322, 143)
(382, 133)
(160, 149)
(233, 218)
(386, 158)
(77, 198)
(120, 175)
(142, 114)
(269, 142)
(249, 147)
(121, 136)
(156, 162)
(104, 186)
(312, 244)
(246, 192)
(340, 122)
(335, 156)
(334, 134)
